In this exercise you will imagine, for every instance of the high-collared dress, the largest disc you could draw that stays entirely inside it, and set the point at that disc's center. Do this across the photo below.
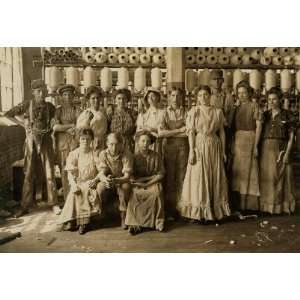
(146, 205)
(205, 191)
(152, 119)
(245, 169)
(277, 190)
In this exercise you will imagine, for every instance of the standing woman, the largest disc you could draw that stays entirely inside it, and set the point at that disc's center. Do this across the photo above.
(247, 132)
(64, 130)
(205, 192)
(277, 192)
(94, 117)
(176, 149)
(152, 118)
(122, 121)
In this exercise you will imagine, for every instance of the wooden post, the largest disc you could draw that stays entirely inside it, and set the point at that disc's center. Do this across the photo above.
(175, 67)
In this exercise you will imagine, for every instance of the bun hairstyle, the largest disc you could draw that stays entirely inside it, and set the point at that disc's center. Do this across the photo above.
(93, 90)
(276, 91)
(245, 84)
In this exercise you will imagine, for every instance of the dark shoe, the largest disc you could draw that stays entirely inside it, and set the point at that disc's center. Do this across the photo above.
(21, 212)
(131, 230)
(134, 230)
(82, 229)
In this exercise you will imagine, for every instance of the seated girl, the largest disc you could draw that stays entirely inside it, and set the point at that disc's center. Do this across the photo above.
(146, 206)
(83, 201)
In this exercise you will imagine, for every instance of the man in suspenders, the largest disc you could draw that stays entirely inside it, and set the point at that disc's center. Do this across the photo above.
(39, 153)
(222, 99)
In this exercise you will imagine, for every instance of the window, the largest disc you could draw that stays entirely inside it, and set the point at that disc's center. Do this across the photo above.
(11, 77)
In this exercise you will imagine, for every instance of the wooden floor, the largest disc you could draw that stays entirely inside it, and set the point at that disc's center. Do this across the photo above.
(270, 234)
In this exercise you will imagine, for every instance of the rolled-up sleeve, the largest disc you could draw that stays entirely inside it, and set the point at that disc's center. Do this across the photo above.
(190, 122)
(127, 161)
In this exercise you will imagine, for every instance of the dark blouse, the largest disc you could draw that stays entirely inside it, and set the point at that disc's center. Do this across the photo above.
(149, 165)
(122, 122)
(246, 116)
(278, 127)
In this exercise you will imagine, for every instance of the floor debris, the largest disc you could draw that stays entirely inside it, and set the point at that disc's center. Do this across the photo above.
(274, 228)
(7, 237)
(208, 242)
(232, 242)
(51, 241)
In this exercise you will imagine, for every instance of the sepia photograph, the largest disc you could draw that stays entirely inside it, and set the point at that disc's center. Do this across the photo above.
(149, 149)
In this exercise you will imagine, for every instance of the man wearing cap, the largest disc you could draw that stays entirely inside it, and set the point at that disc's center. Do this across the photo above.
(39, 152)
(65, 130)
(222, 99)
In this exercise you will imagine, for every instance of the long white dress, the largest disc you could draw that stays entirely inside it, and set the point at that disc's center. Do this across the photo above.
(205, 189)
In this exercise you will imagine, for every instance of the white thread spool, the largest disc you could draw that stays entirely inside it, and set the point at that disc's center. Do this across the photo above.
(158, 59)
(297, 60)
(56, 78)
(106, 50)
(89, 57)
(205, 51)
(123, 58)
(228, 79)
(204, 77)
(123, 78)
(288, 60)
(283, 51)
(270, 51)
(265, 60)
(94, 50)
(156, 78)
(162, 50)
(72, 76)
(190, 59)
(223, 59)
(190, 80)
(212, 59)
(140, 50)
(255, 54)
(134, 58)
(139, 79)
(238, 76)
(47, 75)
(106, 79)
(188, 50)
(151, 50)
(255, 80)
(277, 60)
(200, 59)
(236, 59)
(217, 50)
(247, 59)
(285, 80)
(230, 51)
(118, 50)
(242, 50)
(270, 79)
(112, 58)
(128, 50)
(298, 81)
(145, 58)
(89, 77)
(101, 57)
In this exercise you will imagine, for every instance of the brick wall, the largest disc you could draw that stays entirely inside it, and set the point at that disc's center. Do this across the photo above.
(11, 149)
